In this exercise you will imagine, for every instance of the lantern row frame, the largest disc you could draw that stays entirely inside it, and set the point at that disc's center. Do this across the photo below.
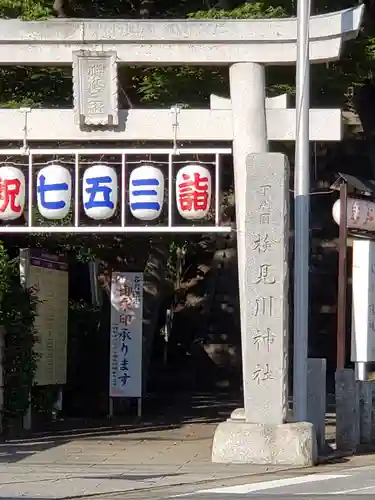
(122, 153)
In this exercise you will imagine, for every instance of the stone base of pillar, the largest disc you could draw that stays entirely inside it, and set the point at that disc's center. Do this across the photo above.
(347, 411)
(316, 398)
(366, 389)
(240, 442)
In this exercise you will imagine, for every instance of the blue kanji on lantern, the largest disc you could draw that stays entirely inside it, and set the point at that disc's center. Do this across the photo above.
(43, 188)
(146, 193)
(99, 193)
(145, 183)
(54, 189)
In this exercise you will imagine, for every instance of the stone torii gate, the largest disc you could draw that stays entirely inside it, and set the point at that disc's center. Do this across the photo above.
(259, 433)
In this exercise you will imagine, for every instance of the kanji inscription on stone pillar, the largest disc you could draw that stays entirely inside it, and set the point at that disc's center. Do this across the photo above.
(267, 234)
(95, 88)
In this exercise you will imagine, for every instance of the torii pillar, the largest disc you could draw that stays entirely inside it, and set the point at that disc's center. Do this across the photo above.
(259, 433)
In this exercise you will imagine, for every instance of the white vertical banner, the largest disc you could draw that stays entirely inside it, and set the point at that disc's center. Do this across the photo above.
(363, 312)
(125, 379)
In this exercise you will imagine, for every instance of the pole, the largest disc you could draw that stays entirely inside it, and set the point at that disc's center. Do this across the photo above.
(2, 377)
(24, 278)
(301, 216)
(342, 280)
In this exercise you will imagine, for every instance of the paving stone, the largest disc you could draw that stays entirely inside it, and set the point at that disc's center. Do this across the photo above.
(126, 462)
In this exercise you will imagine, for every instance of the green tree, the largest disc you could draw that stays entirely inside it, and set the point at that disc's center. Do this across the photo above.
(17, 317)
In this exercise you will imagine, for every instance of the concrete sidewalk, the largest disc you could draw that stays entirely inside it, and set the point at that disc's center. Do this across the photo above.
(66, 466)
(169, 449)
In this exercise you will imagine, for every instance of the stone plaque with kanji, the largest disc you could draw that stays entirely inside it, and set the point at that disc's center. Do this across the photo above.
(95, 88)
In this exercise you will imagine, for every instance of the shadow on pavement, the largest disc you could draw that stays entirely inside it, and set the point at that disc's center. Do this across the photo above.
(162, 415)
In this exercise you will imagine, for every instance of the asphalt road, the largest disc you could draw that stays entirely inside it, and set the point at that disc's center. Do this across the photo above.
(352, 482)
(321, 483)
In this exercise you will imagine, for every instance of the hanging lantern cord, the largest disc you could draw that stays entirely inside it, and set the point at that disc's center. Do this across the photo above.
(175, 110)
(25, 112)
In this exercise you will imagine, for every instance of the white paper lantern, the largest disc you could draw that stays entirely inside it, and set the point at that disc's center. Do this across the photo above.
(146, 192)
(193, 191)
(12, 193)
(360, 214)
(99, 192)
(54, 191)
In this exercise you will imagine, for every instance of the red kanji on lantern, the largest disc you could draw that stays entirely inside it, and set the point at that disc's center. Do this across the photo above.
(355, 212)
(9, 190)
(193, 192)
(370, 213)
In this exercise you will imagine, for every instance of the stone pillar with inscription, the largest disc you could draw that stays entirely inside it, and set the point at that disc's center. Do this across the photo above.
(265, 361)
(260, 434)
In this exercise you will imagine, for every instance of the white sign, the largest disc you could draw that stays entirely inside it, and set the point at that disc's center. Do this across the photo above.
(363, 313)
(126, 335)
(48, 274)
